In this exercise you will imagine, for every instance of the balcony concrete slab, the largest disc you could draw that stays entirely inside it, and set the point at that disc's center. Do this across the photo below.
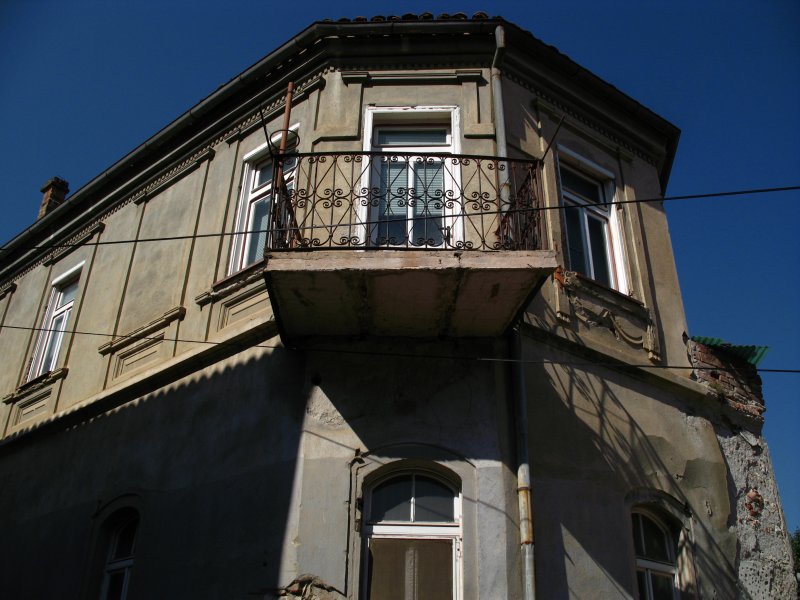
(425, 294)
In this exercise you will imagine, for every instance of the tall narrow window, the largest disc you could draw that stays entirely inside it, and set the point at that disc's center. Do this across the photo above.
(255, 206)
(412, 539)
(411, 187)
(56, 319)
(119, 563)
(655, 558)
(586, 220)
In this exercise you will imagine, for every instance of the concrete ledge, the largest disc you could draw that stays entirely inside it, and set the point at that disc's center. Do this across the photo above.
(426, 293)
(389, 260)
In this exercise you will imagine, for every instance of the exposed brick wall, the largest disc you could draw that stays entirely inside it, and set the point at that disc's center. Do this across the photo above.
(763, 561)
(734, 380)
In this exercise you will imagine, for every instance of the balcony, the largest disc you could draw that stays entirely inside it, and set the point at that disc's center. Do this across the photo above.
(434, 245)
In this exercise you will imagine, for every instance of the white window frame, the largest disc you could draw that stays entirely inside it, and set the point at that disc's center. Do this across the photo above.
(251, 194)
(50, 336)
(413, 117)
(123, 564)
(420, 530)
(608, 215)
(652, 566)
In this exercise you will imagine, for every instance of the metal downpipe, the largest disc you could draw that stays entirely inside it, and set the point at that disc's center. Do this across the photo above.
(520, 401)
(499, 115)
(523, 471)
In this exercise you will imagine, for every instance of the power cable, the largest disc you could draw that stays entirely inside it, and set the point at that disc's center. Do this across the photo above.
(708, 195)
(396, 354)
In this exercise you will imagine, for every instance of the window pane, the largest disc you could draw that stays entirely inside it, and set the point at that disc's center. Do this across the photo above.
(68, 293)
(655, 541)
(289, 163)
(259, 221)
(641, 582)
(53, 342)
(637, 534)
(662, 586)
(589, 190)
(391, 501)
(387, 569)
(393, 204)
(262, 175)
(577, 253)
(126, 537)
(428, 202)
(411, 569)
(599, 249)
(433, 501)
(116, 584)
(411, 137)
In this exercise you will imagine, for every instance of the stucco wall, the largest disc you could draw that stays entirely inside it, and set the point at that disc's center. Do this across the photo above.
(602, 443)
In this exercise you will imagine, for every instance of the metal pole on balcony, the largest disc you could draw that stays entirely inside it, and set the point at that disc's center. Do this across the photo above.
(283, 203)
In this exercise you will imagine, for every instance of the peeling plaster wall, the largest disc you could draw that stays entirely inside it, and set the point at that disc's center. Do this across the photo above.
(764, 558)
(763, 561)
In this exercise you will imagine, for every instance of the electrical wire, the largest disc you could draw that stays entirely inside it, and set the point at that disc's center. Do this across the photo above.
(682, 197)
(475, 358)
(415, 355)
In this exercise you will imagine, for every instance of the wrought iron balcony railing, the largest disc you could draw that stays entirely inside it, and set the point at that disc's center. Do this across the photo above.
(375, 200)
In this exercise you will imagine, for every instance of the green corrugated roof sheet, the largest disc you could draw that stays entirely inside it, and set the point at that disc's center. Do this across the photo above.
(752, 354)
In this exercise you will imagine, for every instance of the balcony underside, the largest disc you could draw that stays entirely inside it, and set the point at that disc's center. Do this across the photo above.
(402, 293)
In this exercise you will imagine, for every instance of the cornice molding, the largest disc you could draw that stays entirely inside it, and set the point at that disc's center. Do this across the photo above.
(34, 385)
(368, 77)
(8, 289)
(173, 175)
(583, 124)
(64, 248)
(74, 243)
(225, 287)
(275, 107)
(162, 322)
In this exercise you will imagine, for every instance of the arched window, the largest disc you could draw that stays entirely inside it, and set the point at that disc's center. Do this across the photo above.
(654, 545)
(119, 561)
(412, 538)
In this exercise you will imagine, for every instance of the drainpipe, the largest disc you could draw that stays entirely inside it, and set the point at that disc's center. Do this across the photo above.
(520, 401)
(499, 116)
(523, 470)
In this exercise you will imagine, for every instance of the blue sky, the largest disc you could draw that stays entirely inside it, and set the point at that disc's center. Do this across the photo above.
(84, 82)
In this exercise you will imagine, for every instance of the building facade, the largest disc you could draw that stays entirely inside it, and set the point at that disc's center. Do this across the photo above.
(379, 318)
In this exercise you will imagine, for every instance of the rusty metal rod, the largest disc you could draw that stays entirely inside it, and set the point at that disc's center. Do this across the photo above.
(279, 184)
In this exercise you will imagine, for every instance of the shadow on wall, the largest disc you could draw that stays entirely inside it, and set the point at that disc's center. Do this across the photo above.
(598, 438)
(372, 403)
(212, 461)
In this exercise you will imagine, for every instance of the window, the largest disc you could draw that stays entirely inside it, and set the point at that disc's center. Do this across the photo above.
(411, 189)
(56, 319)
(654, 546)
(593, 243)
(255, 206)
(412, 539)
(119, 563)
(412, 193)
